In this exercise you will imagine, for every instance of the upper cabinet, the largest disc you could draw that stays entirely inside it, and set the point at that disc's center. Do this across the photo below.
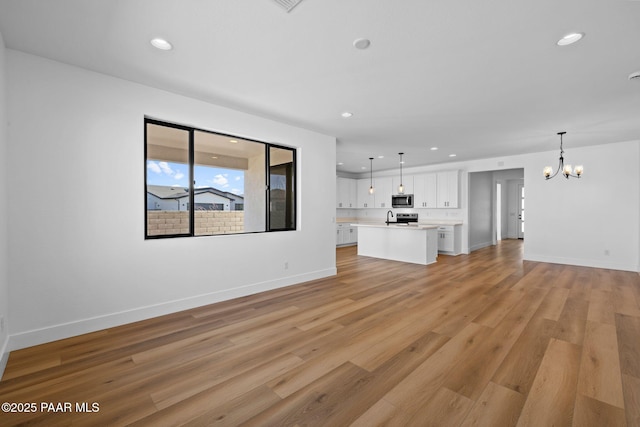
(383, 191)
(430, 190)
(407, 183)
(447, 194)
(346, 193)
(364, 199)
(425, 189)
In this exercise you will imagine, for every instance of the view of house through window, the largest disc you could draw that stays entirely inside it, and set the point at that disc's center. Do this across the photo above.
(224, 179)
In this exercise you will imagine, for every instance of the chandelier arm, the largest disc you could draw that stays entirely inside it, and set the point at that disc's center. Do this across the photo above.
(560, 166)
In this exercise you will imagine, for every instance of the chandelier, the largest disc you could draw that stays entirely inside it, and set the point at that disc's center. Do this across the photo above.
(566, 169)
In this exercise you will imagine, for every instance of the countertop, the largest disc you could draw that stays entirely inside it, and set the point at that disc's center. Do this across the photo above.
(346, 220)
(411, 226)
(361, 221)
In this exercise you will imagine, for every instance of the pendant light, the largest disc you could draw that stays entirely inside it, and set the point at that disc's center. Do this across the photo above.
(371, 189)
(401, 187)
(566, 169)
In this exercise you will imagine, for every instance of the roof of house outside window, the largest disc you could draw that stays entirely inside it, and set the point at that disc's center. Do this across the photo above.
(167, 192)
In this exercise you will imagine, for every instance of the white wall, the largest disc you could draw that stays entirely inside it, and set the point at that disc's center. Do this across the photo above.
(579, 221)
(4, 248)
(480, 210)
(77, 136)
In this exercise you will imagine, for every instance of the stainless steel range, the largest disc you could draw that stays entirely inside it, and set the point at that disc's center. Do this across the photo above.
(406, 218)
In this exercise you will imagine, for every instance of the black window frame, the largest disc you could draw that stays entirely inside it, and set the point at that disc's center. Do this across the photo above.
(191, 154)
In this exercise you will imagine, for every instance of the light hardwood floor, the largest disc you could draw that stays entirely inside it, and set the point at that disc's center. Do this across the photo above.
(475, 340)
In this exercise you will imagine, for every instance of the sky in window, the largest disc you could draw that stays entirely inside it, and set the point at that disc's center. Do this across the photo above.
(177, 175)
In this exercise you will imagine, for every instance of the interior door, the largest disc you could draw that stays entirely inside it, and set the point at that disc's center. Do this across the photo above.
(521, 211)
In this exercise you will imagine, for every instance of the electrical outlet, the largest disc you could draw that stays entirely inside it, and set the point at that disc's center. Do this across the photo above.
(606, 252)
(286, 265)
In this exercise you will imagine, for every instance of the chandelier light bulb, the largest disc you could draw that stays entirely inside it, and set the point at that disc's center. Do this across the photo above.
(578, 170)
(548, 170)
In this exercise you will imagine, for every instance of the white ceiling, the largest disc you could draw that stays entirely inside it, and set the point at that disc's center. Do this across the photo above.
(475, 78)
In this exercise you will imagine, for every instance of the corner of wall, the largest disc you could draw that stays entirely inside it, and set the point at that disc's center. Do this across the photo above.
(4, 248)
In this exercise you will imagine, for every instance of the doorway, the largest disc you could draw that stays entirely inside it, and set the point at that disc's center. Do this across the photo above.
(495, 207)
(498, 212)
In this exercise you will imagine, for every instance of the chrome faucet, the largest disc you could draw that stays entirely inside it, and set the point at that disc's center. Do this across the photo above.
(389, 212)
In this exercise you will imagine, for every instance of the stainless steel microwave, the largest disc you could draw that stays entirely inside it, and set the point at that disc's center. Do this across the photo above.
(402, 201)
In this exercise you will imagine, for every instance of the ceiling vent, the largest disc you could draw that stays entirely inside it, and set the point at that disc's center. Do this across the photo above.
(287, 4)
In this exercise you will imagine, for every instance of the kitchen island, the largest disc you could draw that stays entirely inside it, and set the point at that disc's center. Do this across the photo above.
(412, 243)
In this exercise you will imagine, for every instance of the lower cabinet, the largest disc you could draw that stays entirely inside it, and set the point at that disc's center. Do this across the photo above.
(346, 235)
(449, 239)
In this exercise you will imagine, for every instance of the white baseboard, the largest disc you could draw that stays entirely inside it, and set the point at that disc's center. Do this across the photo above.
(4, 356)
(480, 246)
(581, 262)
(83, 326)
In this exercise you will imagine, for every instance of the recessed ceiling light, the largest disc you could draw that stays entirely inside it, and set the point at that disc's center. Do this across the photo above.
(361, 43)
(346, 114)
(161, 44)
(452, 155)
(635, 76)
(570, 39)
(381, 157)
(434, 148)
(340, 163)
(233, 141)
(214, 157)
(363, 167)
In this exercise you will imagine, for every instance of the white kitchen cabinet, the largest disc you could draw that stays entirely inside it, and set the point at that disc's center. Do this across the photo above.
(449, 239)
(447, 193)
(352, 236)
(364, 199)
(346, 234)
(407, 182)
(425, 189)
(383, 192)
(346, 190)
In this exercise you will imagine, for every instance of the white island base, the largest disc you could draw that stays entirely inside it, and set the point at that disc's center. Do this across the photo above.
(415, 244)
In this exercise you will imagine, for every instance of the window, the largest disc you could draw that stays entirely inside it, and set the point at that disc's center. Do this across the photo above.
(235, 185)
(281, 189)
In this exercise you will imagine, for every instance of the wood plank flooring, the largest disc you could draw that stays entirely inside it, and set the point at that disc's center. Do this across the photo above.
(475, 340)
